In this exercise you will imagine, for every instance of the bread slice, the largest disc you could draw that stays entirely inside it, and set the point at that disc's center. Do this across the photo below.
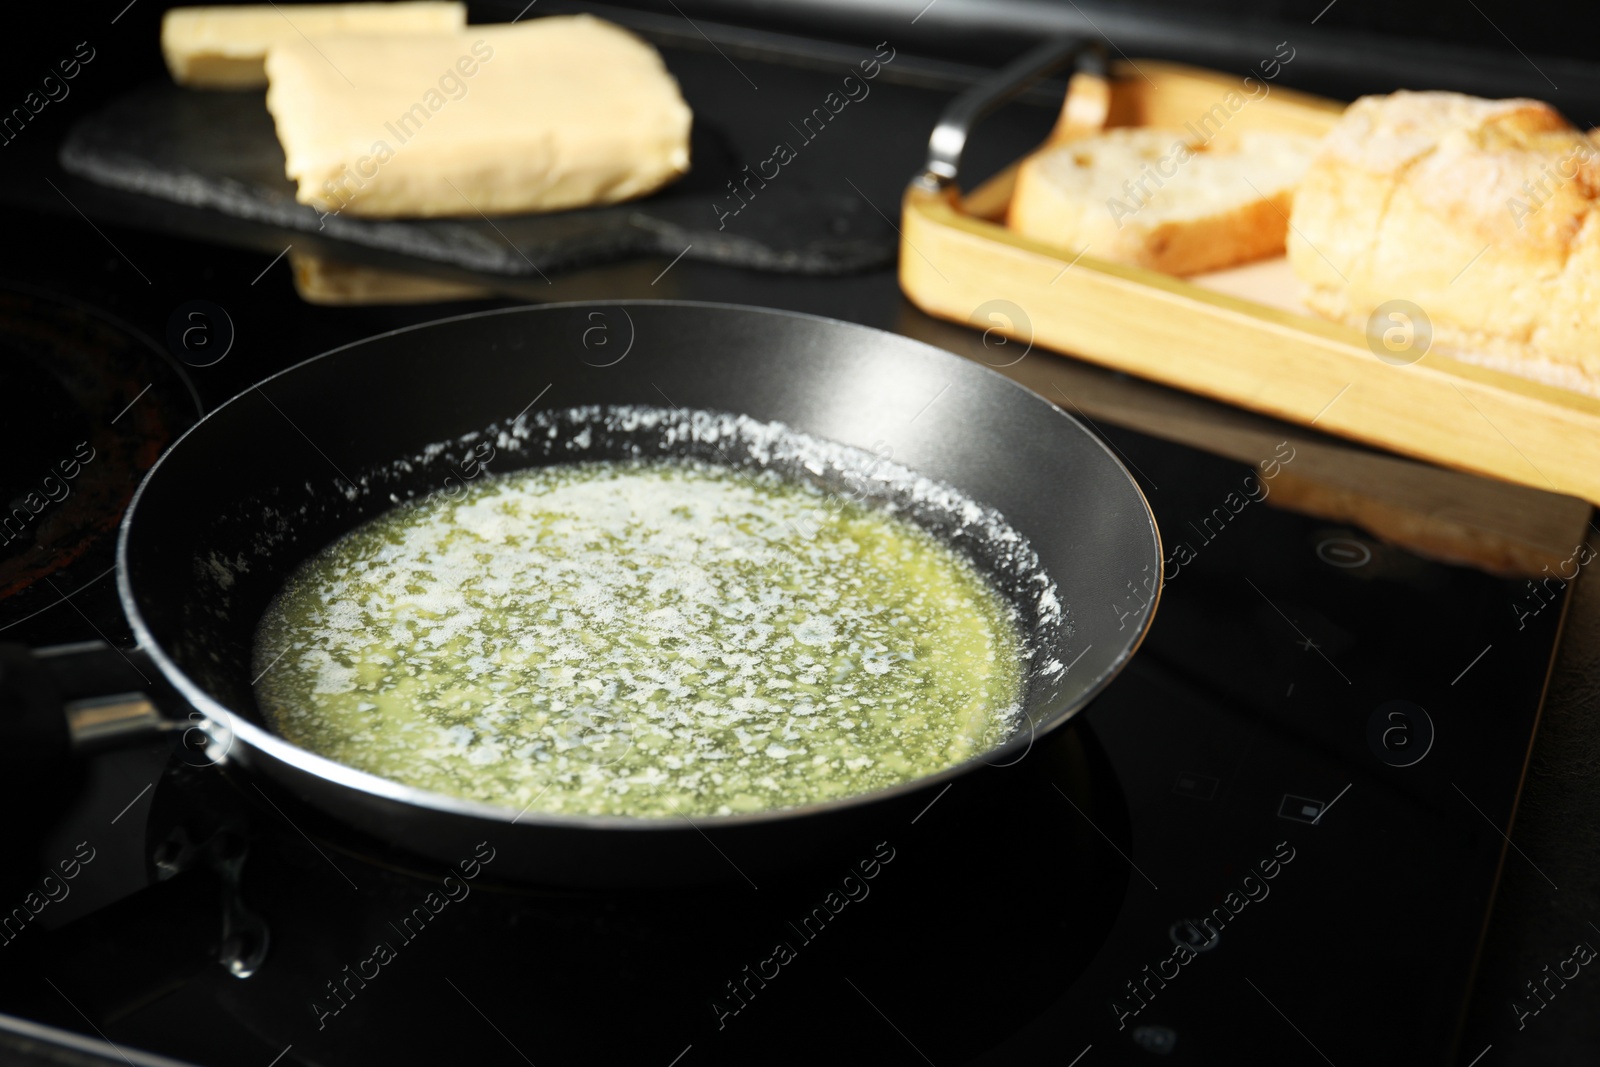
(1162, 199)
(542, 115)
(226, 47)
(1483, 213)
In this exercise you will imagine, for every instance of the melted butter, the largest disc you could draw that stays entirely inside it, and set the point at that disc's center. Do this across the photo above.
(638, 638)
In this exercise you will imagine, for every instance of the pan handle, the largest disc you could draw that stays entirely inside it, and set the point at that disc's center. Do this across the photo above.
(949, 137)
(68, 700)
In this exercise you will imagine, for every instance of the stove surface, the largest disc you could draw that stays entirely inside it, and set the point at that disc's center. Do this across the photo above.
(1276, 838)
(1297, 783)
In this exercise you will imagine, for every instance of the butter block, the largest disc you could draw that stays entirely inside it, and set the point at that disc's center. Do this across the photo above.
(553, 113)
(226, 47)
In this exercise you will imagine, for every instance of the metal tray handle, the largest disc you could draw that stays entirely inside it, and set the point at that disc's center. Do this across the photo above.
(949, 137)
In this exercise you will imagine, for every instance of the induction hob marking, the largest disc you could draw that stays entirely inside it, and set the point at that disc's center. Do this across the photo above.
(890, 1021)
(1301, 809)
(1290, 1021)
(1480, 1056)
(1080, 1056)
(280, 1055)
(1508, 840)
(1331, 803)
(1102, 833)
(1198, 786)
(1344, 552)
(1296, 629)
(1474, 663)
(682, 1054)
(1190, 938)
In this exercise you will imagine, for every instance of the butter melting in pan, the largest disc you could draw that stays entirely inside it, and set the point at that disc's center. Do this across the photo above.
(637, 638)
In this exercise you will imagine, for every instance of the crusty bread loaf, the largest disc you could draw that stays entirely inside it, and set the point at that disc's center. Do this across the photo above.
(1162, 199)
(1480, 212)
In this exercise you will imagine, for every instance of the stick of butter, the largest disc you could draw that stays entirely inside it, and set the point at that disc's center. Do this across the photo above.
(225, 47)
(553, 113)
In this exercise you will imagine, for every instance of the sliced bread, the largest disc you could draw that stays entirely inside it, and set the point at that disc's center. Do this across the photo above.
(1483, 213)
(1162, 199)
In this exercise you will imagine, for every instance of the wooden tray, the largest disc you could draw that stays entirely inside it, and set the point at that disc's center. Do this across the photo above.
(1240, 335)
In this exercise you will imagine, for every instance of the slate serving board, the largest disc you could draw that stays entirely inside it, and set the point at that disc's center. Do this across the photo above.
(218, 150)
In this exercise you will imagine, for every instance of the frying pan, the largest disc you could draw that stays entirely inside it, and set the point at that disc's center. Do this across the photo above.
(274, 474)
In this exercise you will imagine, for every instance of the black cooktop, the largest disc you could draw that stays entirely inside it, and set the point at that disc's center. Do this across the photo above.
(1300, 780)
(1275, 838)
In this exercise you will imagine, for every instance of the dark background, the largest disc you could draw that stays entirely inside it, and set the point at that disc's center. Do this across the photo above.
(1489, 47)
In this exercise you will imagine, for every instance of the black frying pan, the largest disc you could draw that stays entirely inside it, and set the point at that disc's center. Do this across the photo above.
(265, 480)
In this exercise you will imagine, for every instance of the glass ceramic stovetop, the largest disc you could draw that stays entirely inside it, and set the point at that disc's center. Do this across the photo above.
(1287, 809)
(1275, 839)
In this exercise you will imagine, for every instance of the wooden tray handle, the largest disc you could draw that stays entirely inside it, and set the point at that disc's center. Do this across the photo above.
(1086, 107)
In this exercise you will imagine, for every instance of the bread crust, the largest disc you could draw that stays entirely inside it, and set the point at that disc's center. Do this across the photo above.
(1481, 212)
(1100, 193)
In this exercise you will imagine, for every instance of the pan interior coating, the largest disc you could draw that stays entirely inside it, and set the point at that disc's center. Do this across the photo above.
(642, 637)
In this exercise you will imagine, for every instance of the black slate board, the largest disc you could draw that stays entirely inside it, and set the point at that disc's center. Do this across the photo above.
(218, 150)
